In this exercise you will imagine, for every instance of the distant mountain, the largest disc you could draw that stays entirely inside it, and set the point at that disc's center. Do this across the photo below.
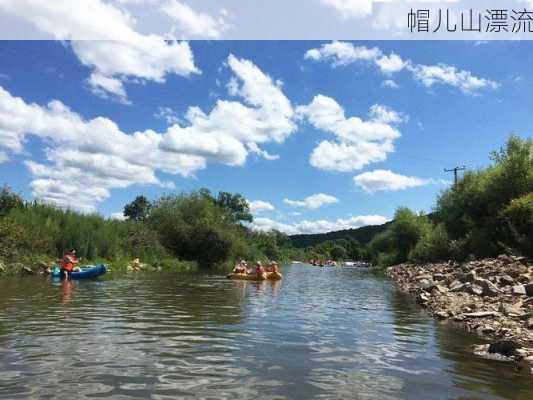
(364, 235)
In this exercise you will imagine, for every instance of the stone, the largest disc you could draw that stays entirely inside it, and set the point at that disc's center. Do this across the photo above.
(519, 290)
(481, 314)
(457, 286)
(504, 347)
(529, 323)
(476, 290)
(439, 277)
(27, 271)
(488, 288)
(441, 314)
(505, 259)
(427, 285)
(422, 298)
(506, 280)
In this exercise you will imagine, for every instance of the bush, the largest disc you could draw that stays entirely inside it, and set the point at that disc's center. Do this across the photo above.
(433, 246)
(472, 210)
(518, 221)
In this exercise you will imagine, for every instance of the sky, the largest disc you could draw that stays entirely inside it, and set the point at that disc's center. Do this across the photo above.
(318, 136)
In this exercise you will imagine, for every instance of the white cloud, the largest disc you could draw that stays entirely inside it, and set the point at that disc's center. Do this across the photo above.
(104, 39)
(168, 114)
(3, 157)
(443, 74)
(359, 142)
(350, 8)
(194, 23)
(96, 156)
(118, 216)
(318, 226)
(390, 84)
(385, 180)
(255, 149)
(313, 202)
(259, 206)
(106, 87)
(345, 53)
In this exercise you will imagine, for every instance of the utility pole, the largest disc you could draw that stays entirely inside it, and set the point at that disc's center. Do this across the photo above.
(455, 172)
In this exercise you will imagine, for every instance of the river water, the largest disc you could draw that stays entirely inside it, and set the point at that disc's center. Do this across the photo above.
(321, 333)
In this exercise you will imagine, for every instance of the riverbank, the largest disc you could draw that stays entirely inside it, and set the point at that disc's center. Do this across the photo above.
(38, 266)
(492, 297)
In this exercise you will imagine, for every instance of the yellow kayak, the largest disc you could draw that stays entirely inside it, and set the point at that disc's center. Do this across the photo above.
(267, 276)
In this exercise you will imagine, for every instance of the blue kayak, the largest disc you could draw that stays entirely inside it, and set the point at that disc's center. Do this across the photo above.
(86, 272)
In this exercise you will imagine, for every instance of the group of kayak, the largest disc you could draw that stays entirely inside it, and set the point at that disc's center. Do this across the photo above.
(260, 273)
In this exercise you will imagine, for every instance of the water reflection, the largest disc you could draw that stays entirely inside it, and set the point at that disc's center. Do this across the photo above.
(319, 333)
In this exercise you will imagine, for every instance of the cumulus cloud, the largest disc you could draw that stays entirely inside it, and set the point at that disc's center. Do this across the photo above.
(385, 180)
(350, 8)
(119, 216)
(443, 74)
(317, 226)
(259, 206)
(168, 114)
(345, 53)
(195, 23)
(104, 39)
(389, 83)
(359, 142)
(313, 202)
(96, 156)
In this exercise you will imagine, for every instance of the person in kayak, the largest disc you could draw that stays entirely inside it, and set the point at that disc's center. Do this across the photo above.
(69, 263)
(259, 270)
(240, 268)
(273, 267)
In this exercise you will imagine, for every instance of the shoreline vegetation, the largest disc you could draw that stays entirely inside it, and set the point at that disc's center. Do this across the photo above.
(486, 213)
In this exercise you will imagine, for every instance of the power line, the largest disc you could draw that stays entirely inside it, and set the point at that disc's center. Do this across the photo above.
(455, 172)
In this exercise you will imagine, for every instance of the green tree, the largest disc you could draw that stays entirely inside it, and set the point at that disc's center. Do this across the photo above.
(9, 200)
(138, 209)
(236, 205)
(338, 253)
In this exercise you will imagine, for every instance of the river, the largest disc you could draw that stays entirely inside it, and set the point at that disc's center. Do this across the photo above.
(321, 333)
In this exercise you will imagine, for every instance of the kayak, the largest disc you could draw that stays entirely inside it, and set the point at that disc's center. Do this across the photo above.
(86, 272)
(267, 276)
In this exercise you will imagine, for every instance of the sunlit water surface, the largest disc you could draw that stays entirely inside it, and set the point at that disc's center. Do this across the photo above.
(321, 333)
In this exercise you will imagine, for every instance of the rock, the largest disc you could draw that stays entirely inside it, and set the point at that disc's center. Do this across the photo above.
(506, 280)
(468, 277)
(422, 298)
(505, 259)
(456, 286)
(529, 323)
(439, 277)
(2, 267)
(481, 314)
(488, 288)
(504, 347)
(27, 271)
(475, 290)
(519, 290)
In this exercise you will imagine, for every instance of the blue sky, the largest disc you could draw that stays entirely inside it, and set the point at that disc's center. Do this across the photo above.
(451, 104)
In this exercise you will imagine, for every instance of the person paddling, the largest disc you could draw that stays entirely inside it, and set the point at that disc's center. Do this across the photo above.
(68, 263)
(259, 270)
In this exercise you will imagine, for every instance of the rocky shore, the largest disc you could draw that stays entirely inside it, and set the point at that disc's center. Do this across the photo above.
(492, 297)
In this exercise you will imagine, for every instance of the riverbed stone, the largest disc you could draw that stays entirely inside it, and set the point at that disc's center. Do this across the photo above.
(519, 290)
(504, 347)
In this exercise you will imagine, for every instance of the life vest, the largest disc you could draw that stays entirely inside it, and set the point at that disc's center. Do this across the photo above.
(68, 261)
